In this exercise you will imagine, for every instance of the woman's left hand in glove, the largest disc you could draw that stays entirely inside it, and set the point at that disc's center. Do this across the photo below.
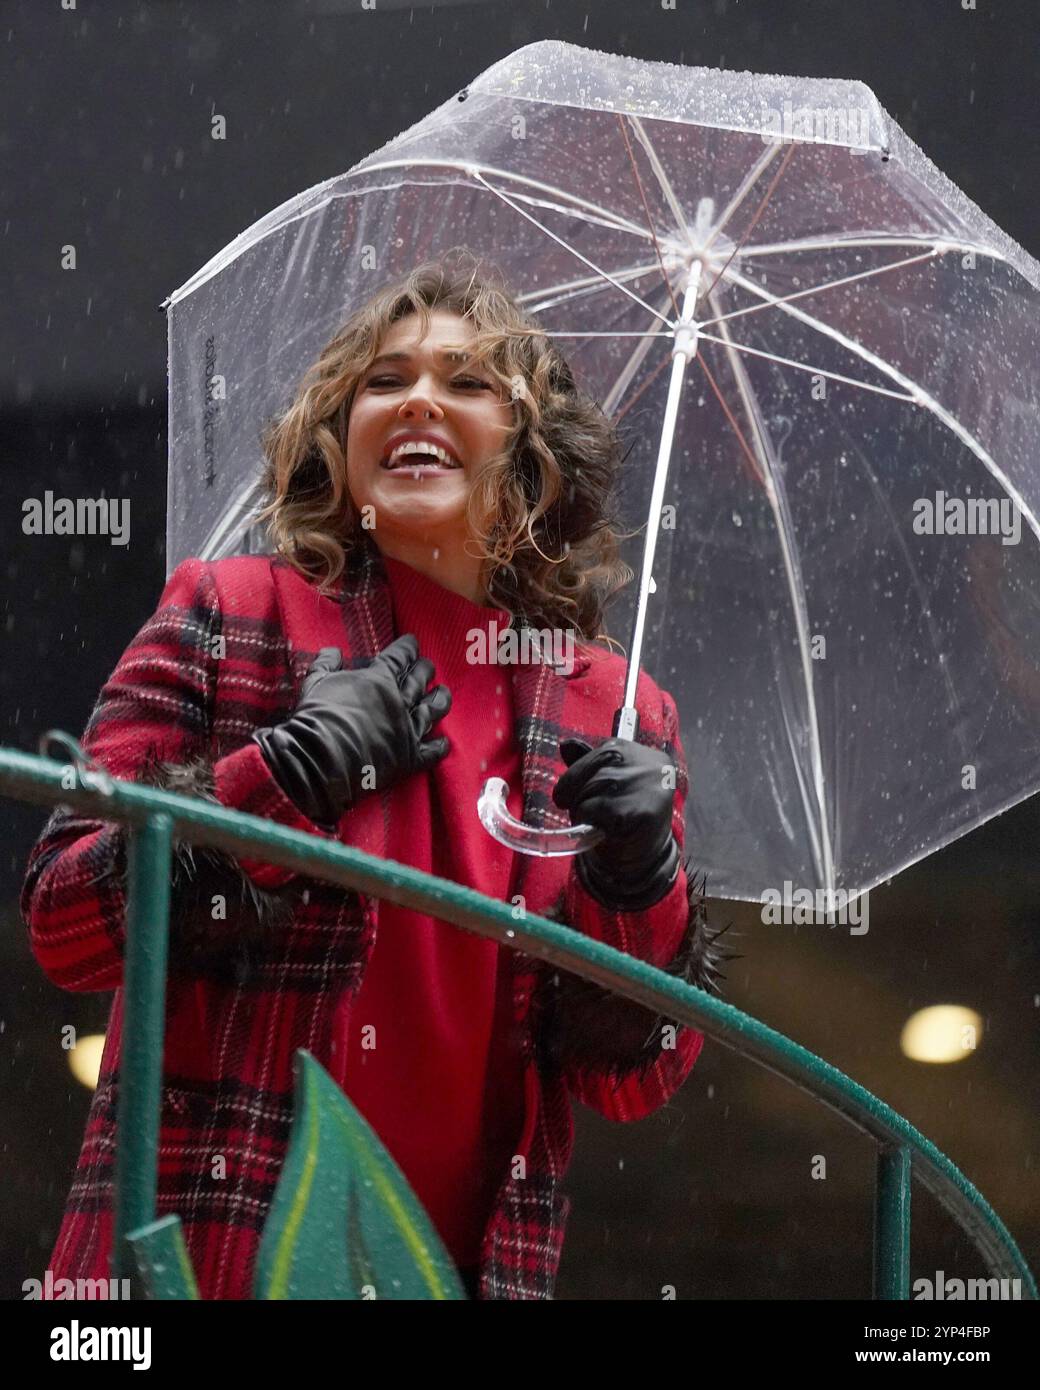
(626, 790)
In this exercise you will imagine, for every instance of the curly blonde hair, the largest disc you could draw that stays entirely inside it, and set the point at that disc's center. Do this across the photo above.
(542, 511)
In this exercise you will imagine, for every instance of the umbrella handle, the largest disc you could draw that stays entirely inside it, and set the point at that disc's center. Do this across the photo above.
(528, 839)
(504, 827)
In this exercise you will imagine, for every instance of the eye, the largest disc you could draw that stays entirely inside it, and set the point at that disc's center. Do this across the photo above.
(457, 381)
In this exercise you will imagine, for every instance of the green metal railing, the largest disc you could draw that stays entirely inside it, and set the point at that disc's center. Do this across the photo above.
(156, 817)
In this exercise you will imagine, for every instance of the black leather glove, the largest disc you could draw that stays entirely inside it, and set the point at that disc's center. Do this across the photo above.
(620, 788)
(345, 721)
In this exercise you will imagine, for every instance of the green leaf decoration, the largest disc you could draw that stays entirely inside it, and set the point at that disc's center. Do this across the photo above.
(162, 1259)
(344, 1222)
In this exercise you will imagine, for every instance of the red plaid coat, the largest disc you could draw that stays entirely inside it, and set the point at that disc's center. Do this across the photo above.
(225, 653)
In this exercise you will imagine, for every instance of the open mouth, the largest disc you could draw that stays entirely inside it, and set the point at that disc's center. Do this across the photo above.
(410, 458)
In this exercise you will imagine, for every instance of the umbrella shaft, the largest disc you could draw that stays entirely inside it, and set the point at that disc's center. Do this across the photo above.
(685, 348)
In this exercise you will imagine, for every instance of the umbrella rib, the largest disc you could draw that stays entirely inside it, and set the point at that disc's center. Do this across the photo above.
(626, 374)
(820, 833)
(750, 179)
(805, 367)
(827, 285)
(573, 202)
(595, 218)
(568, 290)
(919, 394)
(560, 201)
(754, 221)
(756, 469)
(664, 362)
(584, 282)
(573, 250)
(778, 248)
(665, 183)
(669, 195)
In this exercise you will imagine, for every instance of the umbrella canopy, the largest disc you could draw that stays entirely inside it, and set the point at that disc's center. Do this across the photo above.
(846, 583)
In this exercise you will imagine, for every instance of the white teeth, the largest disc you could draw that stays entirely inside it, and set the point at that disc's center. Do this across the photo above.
(416, 446)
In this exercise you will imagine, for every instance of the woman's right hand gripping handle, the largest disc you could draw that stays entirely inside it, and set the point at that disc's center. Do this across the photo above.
(347, 723)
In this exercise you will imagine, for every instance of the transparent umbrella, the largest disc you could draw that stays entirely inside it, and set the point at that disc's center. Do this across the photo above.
(827, 359)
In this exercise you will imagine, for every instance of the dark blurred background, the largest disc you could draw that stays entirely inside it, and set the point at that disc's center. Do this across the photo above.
(105, 144)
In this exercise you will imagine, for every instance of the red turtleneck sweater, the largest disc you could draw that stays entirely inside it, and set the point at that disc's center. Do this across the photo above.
(443, 1084)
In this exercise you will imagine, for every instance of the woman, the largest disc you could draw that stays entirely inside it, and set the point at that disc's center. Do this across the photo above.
(294, 687)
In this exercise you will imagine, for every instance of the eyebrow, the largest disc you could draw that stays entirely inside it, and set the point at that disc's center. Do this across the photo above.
(451, 355)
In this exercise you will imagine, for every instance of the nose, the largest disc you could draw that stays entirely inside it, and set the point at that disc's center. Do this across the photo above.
(420, 402)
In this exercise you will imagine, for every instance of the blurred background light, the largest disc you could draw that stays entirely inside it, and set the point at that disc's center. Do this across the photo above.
(85, 1059)
(942, 1033)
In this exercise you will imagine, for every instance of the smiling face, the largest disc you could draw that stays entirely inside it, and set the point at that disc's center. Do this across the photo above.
(430, 391)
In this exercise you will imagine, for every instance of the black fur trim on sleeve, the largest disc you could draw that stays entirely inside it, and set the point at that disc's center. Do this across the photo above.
(581, 1025)
(254, 917)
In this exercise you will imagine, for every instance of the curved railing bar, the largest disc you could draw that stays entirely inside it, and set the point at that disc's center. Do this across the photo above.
(28, 777)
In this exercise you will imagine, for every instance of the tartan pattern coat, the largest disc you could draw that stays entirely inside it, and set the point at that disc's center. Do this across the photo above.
(225, 653)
